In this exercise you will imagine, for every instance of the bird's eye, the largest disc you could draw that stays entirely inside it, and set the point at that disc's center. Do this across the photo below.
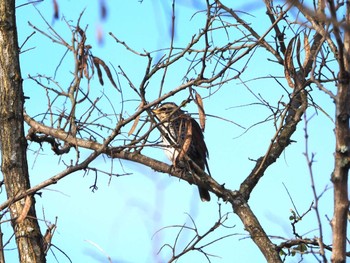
(164, 109)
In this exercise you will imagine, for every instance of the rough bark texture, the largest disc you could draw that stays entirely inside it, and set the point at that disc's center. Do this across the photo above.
(256, 231)
(341, 170)
(13, 144)
(342, 151)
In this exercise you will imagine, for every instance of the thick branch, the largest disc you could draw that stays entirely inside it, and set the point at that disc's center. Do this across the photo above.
(237, 200)
(297, 107)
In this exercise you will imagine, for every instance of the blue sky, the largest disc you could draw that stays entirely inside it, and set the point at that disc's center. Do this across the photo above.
(123, 216)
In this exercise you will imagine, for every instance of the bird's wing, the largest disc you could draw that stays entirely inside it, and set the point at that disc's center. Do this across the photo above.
(198, 139)
(199, 143)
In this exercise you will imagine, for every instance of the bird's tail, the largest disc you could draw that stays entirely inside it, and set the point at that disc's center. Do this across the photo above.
(204, 194)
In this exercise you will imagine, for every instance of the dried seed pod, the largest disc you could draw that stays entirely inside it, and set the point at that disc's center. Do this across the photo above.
(100, 62)
(298, 52)
(201, 111)
(26, 207)
(55, 10)
(187, 140)
(136, 121)
(307, 50)
(288, 63)
(99, 72)
(48, 237)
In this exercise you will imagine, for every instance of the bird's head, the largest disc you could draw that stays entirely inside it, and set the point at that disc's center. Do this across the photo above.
(165, 110)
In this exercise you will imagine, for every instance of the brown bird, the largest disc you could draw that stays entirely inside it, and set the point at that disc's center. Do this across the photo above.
(184, 137)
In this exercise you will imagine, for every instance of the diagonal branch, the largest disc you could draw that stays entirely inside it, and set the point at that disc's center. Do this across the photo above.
(281, 140)
(235, 198)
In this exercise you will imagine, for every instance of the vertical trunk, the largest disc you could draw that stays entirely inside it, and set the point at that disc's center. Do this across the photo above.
(342, 154)
(340, 175)
(13, 144)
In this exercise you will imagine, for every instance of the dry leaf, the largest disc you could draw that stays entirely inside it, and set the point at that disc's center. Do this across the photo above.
(201, 112)
(103, 10)
(48, 237)
(55, 10)
(81, 33)
(288, 63)
(99, 72)
(298, 51)
(187, 140)
(99, 35)
(136, 121)
(26, 207)
(98, 61)
(307, 50)
(85, 69)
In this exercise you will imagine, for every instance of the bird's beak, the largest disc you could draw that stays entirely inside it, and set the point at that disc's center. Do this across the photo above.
(155, 111)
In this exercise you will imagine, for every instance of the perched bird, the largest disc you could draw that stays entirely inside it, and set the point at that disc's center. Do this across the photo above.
(184, 138)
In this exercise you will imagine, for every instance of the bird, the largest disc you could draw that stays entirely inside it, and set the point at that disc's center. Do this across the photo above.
(183, 137)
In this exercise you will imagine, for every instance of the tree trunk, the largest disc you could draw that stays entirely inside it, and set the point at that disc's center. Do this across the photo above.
(340, 175)
(13, 144)
(342, 151)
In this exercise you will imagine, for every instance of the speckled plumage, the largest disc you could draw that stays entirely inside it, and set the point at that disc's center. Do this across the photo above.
(180, 132)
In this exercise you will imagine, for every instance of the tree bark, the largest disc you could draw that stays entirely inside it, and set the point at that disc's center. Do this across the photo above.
(14, 165)
(342, 150)
(340, 175)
